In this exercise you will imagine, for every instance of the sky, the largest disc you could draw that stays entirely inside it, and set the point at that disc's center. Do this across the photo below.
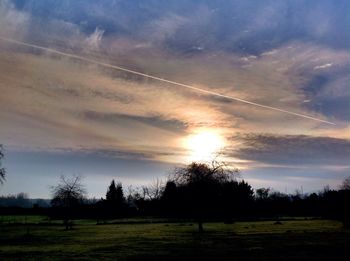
(66, 108)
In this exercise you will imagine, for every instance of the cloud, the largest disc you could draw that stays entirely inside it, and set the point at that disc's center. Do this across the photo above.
(268, 52)
(166, 27)
(323, 66)
(93, 41)
(128, 110)
(13, 23)
(152, 120)
(294, 150)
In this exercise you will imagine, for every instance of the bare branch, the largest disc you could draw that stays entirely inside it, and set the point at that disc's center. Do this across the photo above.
(68, 191)
(346, 184)
(2, 170)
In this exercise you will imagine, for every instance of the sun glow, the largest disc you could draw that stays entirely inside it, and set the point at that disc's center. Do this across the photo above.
(204, 145)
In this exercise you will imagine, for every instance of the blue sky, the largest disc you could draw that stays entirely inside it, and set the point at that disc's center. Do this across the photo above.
(60, 115)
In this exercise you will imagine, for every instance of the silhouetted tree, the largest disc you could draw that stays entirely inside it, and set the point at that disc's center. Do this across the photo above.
(154, 190)
(169, 190)
(68, 194)
(262, 193)
(346, 184)
(2, 170)
(115, 200)
(136, 199)
(237, 199)
(115, 194)
(342, 202)
(170, 198)
(279, 203)
(202, 184)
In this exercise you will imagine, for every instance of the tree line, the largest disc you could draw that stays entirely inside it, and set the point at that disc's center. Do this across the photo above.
(198, 191)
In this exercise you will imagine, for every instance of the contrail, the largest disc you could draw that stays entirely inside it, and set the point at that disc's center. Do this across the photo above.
(81, 58)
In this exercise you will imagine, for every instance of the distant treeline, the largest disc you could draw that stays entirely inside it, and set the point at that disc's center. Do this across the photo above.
(228, 201)
(22, 200)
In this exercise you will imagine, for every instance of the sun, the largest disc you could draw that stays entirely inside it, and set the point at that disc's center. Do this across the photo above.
(204, 145)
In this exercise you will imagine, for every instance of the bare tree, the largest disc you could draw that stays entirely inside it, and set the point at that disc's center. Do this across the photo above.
(346, 184)
(197, 172)
(2, 170)
(68, 194)
(154, 190)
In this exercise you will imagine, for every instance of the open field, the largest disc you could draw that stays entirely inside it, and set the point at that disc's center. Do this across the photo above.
(264, 240)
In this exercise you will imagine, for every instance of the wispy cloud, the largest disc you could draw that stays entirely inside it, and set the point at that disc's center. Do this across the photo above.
(323, 66)
(93, 41)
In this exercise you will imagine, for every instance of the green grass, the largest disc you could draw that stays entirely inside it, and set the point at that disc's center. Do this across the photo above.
(22, 219)
(291, 240)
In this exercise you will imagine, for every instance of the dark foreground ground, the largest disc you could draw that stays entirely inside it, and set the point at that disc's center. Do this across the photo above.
(34, 239)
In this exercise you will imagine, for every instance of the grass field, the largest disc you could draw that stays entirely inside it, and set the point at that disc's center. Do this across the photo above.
(37, 239)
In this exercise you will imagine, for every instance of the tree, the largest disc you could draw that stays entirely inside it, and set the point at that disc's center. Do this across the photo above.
(67, 195)
(346, 184)
(115, 194)
(170, 199)
(343, 202)
(236, 198)
(262, 193)
(2, 170)
(154, 190)
(115, 200)
(203, 184)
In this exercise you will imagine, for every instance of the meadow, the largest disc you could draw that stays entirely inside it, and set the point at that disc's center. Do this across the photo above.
(37, 238)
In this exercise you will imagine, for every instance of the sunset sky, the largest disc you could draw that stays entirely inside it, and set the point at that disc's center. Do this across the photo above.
(81, 115)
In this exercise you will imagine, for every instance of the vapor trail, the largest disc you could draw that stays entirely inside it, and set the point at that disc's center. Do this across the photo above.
(81, 58)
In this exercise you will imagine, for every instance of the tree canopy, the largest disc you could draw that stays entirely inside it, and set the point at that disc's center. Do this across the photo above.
(202, 186)
(346, 184)
(115, 194)
(68, 194)
(200, 173)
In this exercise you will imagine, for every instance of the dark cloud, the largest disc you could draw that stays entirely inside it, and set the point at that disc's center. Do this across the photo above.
(157, 121)
(110, 154)
(189, 26)
(328, 91)
(293, 149)
(112, 96)
(336, 107)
